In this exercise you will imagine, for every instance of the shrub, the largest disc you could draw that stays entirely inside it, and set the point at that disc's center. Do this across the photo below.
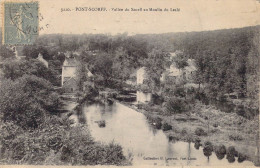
(235, 137)
(156, 121)
(215, 125)
(176, 106)
(208, 148)
(220, 151)
(101, 123)
(232, 151)
(103, 154)
(68, 145)
(183, 131)
(241, 157)
(173, 138)
(197, 143)
(200, 132)
(166, 127)
(179, 92)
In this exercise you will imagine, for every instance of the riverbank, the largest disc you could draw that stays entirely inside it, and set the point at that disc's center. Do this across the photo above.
(204, 123)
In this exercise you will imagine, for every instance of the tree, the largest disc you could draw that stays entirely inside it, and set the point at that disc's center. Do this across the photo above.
(81, 72)
(6, 53)
(32, 52)
(202, 63)
(176, 105)
(155, 66)
(26, 101)
(102, 67)
(13, 69)
(122, 67)
(180, 60)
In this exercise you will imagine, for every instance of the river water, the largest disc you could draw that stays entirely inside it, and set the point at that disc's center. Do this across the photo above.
(148, 146)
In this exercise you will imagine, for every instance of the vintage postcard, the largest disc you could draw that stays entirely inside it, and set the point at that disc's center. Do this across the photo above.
(129, 83)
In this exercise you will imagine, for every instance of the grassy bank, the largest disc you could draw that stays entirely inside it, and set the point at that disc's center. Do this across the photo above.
(203, 124)
(57, 143)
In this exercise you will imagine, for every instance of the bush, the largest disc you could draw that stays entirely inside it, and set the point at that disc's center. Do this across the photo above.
(166, 127)
(208, 148)
(215, 125)
(184, 131)
(67, 145)
(197, 143)
(235, 137)
(200, 132)
(176, 106)
(231, 154)
(241, 157)
(101, 123)
(220, 151)
(155, 121)
(179, 92)
(232, 151)
(103, 154)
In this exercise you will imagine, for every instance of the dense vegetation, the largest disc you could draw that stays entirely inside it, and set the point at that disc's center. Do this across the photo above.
(226, 60)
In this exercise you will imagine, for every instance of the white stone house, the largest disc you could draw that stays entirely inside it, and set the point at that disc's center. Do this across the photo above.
(68, 70)
(141, 75)
(68, 77)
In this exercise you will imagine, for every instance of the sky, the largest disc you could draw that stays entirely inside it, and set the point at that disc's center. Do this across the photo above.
(194, 15)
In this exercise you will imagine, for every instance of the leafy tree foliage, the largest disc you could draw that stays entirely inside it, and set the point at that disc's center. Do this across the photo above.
(6, 53)
(224, 58)
(32, 51)
(180, 60)
(13, 69)
(26, 101)
(155, 66)
(176, 105)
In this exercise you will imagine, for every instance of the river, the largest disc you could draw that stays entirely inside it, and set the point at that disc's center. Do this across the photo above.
(148, 146)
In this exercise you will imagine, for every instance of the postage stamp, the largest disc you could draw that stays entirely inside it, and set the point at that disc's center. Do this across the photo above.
(20, 22)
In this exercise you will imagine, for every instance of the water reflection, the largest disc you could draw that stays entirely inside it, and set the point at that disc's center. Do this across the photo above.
(138, 138)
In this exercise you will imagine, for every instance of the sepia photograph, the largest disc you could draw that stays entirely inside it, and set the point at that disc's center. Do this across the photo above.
(129, 83)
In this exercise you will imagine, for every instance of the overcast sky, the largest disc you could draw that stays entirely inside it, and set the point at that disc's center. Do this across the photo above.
(194, 15)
